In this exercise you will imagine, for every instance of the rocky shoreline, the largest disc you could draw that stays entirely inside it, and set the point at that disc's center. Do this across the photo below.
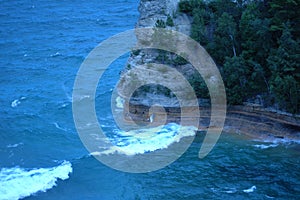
(253, 121)
(249, 119)
(261, 123)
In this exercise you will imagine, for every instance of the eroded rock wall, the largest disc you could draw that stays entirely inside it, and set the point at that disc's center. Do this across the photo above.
(254, 121)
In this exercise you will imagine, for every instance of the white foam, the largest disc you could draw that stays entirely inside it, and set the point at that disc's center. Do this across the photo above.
(67, 92)
(64, 105)
(84, 97)
(278, 141)
(230, 190)
(15, 103)
(263, 146)
(269, 197)
(16, 183)
(148, 140)
(56, 54)
(59, 127)
(250, 189)
(14, 145)
(119, 102)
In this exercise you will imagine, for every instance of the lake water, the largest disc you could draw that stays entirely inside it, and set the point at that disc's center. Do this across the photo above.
(42, 46)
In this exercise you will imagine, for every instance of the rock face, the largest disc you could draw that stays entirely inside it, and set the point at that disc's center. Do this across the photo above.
(261, 123)
(150, 12)
(250, 120)
(253, 121)
(153, 10)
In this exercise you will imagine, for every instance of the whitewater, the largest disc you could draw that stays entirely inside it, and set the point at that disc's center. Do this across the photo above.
(43, 44)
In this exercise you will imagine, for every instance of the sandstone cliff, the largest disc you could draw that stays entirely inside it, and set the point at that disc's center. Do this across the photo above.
(151, 12)
(251, 120)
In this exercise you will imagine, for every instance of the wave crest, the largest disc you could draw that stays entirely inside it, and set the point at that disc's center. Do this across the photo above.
(148, 140)
(16, 183)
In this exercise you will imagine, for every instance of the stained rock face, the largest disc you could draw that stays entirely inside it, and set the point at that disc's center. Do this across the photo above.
(153, 10)
(254, 121)
(150, 12)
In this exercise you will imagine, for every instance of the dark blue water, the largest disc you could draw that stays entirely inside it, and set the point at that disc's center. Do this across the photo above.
(42, 46)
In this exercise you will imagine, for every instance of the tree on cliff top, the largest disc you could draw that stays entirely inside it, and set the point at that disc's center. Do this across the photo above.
(255, 44)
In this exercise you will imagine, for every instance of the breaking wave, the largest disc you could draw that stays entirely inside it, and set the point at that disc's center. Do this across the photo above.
(17, 183)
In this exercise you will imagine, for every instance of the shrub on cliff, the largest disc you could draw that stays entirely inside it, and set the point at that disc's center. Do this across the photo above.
(255, 44)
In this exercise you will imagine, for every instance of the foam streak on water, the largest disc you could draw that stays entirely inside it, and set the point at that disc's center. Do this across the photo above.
(16, 183)
(250, 189)
(148, 140)
(43, 44)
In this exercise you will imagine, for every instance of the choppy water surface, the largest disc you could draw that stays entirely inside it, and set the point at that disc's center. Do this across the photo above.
(42, 46)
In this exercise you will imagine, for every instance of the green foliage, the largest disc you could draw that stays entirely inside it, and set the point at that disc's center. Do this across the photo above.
(225, 37)
(255, 35)
(154, 89)
(235, 77)
(162, 57)
(283, 11)
(164, 91)
(179, 61)
(198, 30)
(135, 52)
(160, 24)
(285, 69)
(170, 21)
(199, 86)
(187, 6)
(286, 90)
(256, 46)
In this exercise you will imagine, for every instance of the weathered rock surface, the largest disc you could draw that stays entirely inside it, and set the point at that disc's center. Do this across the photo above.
(153, 10)
(150, 12)
(254, 121)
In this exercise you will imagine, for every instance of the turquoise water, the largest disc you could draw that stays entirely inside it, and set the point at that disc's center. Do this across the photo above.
(42, 45)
